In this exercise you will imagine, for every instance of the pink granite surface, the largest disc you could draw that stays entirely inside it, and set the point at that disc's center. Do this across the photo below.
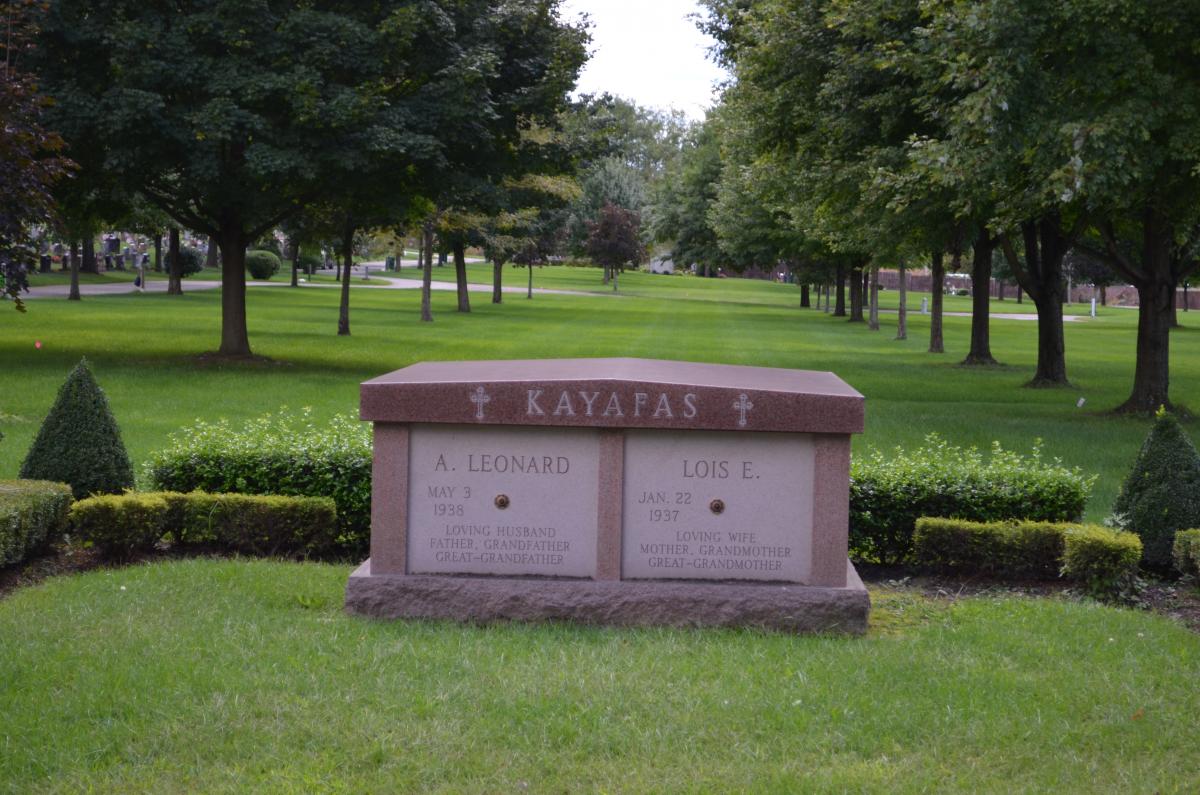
(389, 499)
(615, 393)
(788, 608)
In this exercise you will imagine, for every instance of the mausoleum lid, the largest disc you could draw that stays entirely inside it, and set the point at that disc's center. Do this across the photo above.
(649, 393)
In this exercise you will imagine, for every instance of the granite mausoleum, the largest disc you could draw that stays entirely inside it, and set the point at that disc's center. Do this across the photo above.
(615, 491)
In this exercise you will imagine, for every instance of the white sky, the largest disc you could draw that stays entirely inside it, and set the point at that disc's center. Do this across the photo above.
(648, 51)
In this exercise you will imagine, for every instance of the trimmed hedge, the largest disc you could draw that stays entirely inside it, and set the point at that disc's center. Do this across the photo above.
(1186, 552)
(257, 525)
(889, 492)
(1012, 549)
(285, 454)
(1104, 560)
(32, 514)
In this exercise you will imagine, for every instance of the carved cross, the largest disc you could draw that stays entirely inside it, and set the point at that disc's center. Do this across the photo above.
(742, 405)
(480, 399)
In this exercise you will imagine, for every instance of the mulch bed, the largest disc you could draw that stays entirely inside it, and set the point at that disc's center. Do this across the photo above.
(1176, 600)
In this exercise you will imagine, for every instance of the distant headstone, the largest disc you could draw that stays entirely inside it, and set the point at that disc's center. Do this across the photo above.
(924, 306)
(618, 491)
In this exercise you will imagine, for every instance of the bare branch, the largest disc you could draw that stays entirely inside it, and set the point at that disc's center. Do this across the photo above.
(1116, 259)
(1014, 262)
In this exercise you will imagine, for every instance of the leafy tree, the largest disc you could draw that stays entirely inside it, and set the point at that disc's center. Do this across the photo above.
(231, 116)
(827, 104)
(682, 207)
(31, 159)
(614, 240)
(79, 442)
(623, 153)
(524, 59)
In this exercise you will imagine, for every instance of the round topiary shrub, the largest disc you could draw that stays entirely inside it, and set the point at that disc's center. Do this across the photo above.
(1161, 495)
(311, 260)
(191, 261)
(261, 265)
(79, 442)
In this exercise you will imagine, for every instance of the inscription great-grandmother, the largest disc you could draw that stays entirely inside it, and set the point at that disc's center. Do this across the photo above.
(717, 506)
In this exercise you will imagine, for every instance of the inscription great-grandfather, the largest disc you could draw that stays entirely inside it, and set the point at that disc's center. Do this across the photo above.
(507, 501)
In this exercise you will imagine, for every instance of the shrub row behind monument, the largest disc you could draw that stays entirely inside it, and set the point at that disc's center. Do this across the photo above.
(32, 514)
(287, 454)
(889, 492)
(252, 524)
(290, 454)
(1105, 561)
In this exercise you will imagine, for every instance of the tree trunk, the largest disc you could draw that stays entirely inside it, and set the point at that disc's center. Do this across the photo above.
(427, 271)
(1103, 295)
(158, 261)
(873, 287)
(840, 309)
(938, 279)
(805, 303)
(828, 297)
(902, 316)
(981, 288)
(615, 271)
(295, 263)
(235, 340)
(89, 254)
(460, 275)
(441, 259)
(210, 260)
(1152, 375)
(343, 326)
(856, 295)
(174, 265)
(1156, 281)
(497, 281)
(1000, 289)
(337, 270)
(529, 289)
(74, 294)
(1041, 276)
(1020, 295)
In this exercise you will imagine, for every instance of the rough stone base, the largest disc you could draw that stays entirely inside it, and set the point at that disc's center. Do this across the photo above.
(790, 608)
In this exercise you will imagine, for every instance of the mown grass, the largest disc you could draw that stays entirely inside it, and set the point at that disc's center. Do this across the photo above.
(144, 350)
(234, 676)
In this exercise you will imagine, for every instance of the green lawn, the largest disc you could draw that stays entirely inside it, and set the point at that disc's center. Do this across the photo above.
(143, 348)
(235, 676)
(227, 676)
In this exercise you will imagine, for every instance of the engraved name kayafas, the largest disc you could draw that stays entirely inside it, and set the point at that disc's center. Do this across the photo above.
(547, 403)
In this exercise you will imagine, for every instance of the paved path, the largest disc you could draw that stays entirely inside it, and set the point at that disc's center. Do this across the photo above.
(385, 283)
(994, 315)
(406, 283)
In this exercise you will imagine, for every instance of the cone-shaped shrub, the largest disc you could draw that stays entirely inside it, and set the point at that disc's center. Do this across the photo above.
(80, 443)
(1162, 493)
